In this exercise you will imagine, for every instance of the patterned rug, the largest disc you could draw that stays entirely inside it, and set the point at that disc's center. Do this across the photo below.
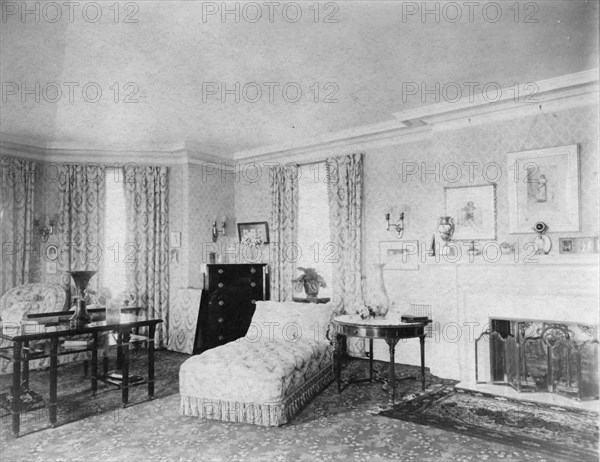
(560, 432)
(332, 427)
(75, 401)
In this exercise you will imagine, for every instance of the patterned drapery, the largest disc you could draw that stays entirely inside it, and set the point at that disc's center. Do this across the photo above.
(82, 199)
(16, 218)
(284, 228)
(146, 201)
(345, 193)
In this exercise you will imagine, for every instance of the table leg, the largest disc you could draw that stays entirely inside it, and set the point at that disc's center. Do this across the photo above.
(125, 367)
(94, 372)
(339, 338)
(370, 360)
(16, 389)
(422, 341)
(392, 344)
(151, 332)
(25, 358)
(119, 350)
(53, 380)
(105, 356)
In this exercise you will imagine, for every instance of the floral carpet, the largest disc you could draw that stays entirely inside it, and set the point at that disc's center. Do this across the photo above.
(564, 432)
(332, 427)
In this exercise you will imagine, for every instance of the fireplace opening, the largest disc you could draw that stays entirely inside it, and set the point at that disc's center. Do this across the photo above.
(540, 356)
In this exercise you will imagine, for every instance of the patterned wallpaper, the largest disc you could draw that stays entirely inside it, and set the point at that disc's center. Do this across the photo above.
(436, 284)
(211, 196)
(197, 198)
(485, 144)
(46, 205)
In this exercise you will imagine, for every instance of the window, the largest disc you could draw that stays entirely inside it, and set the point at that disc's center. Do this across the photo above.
(315, 247)
(115, 248)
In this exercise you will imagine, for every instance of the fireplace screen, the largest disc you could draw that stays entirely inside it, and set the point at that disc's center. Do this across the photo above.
(540, 356)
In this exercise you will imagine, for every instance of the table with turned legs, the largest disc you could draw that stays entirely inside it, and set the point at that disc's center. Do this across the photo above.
(388, 330)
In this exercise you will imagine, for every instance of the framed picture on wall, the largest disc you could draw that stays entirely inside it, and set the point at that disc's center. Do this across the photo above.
(474, 211)
(399, 255)
(544, 186)
(175, 239)
(255, 233)
(51, 253)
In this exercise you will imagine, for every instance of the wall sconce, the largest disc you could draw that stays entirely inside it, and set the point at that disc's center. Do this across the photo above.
(44, 231)
(398, 225)
(215, 231)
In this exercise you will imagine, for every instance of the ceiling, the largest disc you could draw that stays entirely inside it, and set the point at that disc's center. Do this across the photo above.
(366, 58)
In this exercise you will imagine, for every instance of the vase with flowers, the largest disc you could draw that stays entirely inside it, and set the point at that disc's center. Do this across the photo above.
(377, 302)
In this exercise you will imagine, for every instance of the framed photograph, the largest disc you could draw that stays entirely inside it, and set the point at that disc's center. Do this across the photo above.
(175, 239)
(474, 211)
(399, 255)
(544, 186)
(254, 233)
(586, 245)
(51, 253)
(578, 245)
(566, 245)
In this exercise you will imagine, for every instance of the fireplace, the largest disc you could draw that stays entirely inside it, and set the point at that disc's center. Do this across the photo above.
(540, 356)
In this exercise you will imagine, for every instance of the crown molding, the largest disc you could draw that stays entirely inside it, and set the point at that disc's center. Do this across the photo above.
(372, 136)
(560, 93)
(173, 154)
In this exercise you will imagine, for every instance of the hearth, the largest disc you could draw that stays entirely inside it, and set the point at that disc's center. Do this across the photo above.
(540, 356)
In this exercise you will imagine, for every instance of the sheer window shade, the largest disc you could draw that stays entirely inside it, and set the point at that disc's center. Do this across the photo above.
(314, 247)
(116, 250)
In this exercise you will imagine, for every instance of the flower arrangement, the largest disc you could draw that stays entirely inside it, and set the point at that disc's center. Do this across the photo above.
(372, 311)
(128, 299)
(310, 281)
(97, 298)
(252, 240)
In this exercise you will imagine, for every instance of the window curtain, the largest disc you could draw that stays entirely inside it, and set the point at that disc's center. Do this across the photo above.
(345, 194)
(16, 217)
(82, 199)
(284, 228)
(146, 202)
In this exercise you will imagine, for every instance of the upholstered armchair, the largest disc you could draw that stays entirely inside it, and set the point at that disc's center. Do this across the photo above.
(26, 299)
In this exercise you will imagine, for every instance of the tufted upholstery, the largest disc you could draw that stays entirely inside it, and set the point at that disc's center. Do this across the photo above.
(265, 377)
(257, 372)
(32, 298)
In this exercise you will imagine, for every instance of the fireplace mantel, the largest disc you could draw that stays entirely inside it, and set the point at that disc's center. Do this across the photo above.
(555, 292)
(466, 295)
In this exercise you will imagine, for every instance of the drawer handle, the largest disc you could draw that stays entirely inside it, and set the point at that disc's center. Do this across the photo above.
(220, 319)
(221, 337)
(253, 270)
(220, 284)
(220, 271)
(221, 303)
(356, 331)
(253, 284)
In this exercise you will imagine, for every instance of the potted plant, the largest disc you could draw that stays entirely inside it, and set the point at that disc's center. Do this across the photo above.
(310, 282)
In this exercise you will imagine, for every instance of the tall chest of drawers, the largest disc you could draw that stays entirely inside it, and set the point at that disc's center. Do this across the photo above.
(228, 302)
